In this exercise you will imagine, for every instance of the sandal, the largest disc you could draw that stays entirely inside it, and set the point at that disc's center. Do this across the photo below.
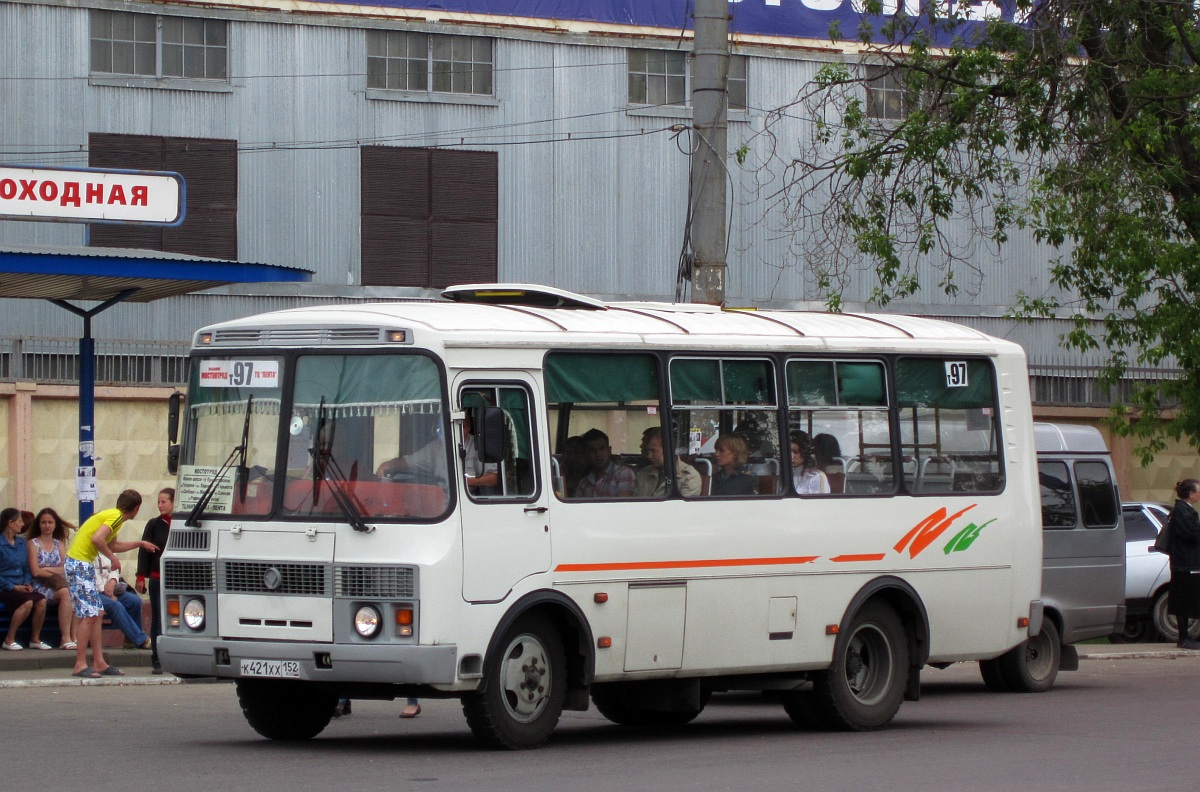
(13, 647)
(86, 673)
(39, 645)
(111, 671)
(411, 711)
(69, 645)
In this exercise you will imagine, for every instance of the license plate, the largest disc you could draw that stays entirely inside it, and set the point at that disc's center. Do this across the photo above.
(279, 669)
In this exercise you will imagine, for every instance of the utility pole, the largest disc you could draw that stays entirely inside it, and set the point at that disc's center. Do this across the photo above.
(710, 106)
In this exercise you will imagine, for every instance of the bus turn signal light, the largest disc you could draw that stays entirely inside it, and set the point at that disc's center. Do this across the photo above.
(604, 642)
(1023, 622)
(832, 629)
(404, 622)
(600, 597)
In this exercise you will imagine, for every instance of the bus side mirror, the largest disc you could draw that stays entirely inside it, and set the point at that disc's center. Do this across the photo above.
(488, 425)
(173, 404)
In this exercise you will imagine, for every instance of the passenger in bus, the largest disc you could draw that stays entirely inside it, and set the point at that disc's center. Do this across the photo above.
(608, 477)
(807, 478)
(427, 462)
(482, 477)
(829, 459)
(575, 464)
(653, 481)
(730, 478)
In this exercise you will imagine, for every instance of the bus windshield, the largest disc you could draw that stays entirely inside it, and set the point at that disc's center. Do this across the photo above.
(365, 434)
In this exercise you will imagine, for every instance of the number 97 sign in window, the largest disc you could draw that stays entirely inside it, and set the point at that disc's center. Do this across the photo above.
(239, 374)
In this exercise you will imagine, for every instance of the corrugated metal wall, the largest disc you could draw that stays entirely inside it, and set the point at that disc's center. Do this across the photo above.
(600, 213)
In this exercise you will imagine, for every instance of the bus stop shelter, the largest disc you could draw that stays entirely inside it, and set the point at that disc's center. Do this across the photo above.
(107, 277)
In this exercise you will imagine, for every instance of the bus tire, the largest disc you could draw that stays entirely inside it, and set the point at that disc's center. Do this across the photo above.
(864, 687)
(619, 703)
(993, 675)
(524, 687)
(1032, 666)
(283, 710)
(799, 707)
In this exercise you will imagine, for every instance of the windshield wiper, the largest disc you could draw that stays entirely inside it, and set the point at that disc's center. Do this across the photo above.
(325, 466)
(238, 453)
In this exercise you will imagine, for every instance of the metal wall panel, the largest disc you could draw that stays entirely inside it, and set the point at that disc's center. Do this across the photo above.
(592, 196)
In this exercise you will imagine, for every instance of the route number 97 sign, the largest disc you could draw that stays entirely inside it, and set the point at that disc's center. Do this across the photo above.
(239, 374)
(956, 374)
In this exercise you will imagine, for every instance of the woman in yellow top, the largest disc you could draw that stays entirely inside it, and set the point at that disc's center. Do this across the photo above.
(97, 536)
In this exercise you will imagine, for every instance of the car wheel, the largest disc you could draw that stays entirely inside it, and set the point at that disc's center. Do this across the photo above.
(1165, 623)
(1136, 631)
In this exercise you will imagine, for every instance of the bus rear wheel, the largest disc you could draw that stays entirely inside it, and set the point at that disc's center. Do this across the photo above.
(864, 687)
(1032, 666)
(283, 710)
(524, 688)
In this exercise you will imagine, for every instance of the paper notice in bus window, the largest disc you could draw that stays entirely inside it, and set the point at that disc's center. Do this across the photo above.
(194, 479)
(239, 374)
(956, 374)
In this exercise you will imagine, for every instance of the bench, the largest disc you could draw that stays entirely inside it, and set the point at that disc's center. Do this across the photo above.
(52, 635)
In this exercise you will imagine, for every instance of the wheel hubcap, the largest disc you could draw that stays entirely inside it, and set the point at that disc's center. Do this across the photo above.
(870, 664)
(525, 678)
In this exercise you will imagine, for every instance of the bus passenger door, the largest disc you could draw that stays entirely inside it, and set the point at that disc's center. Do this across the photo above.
(505, 524)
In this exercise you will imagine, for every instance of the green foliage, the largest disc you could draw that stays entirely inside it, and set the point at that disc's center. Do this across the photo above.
(1080, 124)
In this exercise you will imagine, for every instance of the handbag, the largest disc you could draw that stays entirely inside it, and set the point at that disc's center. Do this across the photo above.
(1162, 543)
(56, 581)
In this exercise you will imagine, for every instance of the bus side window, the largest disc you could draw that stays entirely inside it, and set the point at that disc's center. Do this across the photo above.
(516, 473)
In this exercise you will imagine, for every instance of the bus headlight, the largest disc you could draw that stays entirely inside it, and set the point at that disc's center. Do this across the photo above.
(367, 621)
(193, 614)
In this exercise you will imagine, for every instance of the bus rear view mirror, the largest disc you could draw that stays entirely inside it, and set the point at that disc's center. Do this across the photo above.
(173, 404)
(489, 434)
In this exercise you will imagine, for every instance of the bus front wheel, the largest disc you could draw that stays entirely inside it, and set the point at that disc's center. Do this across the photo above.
(524, 688)
(282, 710)
(864, 687)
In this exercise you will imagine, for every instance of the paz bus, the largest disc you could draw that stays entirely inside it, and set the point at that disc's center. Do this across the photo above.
(530, 500)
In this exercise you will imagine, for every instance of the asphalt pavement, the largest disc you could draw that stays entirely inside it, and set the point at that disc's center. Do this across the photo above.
(52, 668)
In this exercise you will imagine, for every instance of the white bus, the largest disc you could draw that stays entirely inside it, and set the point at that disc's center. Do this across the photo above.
(469, 498)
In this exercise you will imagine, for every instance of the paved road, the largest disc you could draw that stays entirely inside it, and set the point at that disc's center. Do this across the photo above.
(1101, 728)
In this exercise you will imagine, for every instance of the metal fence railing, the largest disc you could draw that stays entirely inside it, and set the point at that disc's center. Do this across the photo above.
(1077, 386)
(56, 361)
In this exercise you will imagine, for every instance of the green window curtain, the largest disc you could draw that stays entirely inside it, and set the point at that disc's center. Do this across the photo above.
(748, 382)
(695, 381)
(921, 382)
(369, 380)
(811, 383)
(860, 385)
(828, 383)
(583, 378)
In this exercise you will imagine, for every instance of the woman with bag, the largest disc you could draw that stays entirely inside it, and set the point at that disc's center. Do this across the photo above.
(1183, 598)
(46, 541)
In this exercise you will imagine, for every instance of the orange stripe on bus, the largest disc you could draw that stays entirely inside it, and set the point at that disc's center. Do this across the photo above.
(859, 557)
(696, 564)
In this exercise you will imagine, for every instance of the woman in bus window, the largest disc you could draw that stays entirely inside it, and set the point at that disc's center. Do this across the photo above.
(807, 479)
(731, 455)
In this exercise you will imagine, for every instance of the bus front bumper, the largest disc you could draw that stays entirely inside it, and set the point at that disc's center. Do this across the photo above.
(317, 662)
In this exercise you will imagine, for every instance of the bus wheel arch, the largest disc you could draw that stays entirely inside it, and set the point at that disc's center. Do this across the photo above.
(882, 643)
(538, 663)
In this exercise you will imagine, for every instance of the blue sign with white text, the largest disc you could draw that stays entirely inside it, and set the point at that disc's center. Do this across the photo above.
(786, 18)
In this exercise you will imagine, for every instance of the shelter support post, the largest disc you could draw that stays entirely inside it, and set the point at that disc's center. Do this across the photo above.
(87, 399)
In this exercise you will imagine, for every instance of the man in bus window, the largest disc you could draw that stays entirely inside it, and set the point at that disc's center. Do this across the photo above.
(608, 478)
(653, 481)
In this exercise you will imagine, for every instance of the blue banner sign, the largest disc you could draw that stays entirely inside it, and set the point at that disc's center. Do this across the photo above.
(806, 19)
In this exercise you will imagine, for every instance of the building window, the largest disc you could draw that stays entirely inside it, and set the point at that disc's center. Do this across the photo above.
(145, 45)
(210, 171)
(429, 216)
(658, 77)
(886, 96)
(403, 61)
(663, 78)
